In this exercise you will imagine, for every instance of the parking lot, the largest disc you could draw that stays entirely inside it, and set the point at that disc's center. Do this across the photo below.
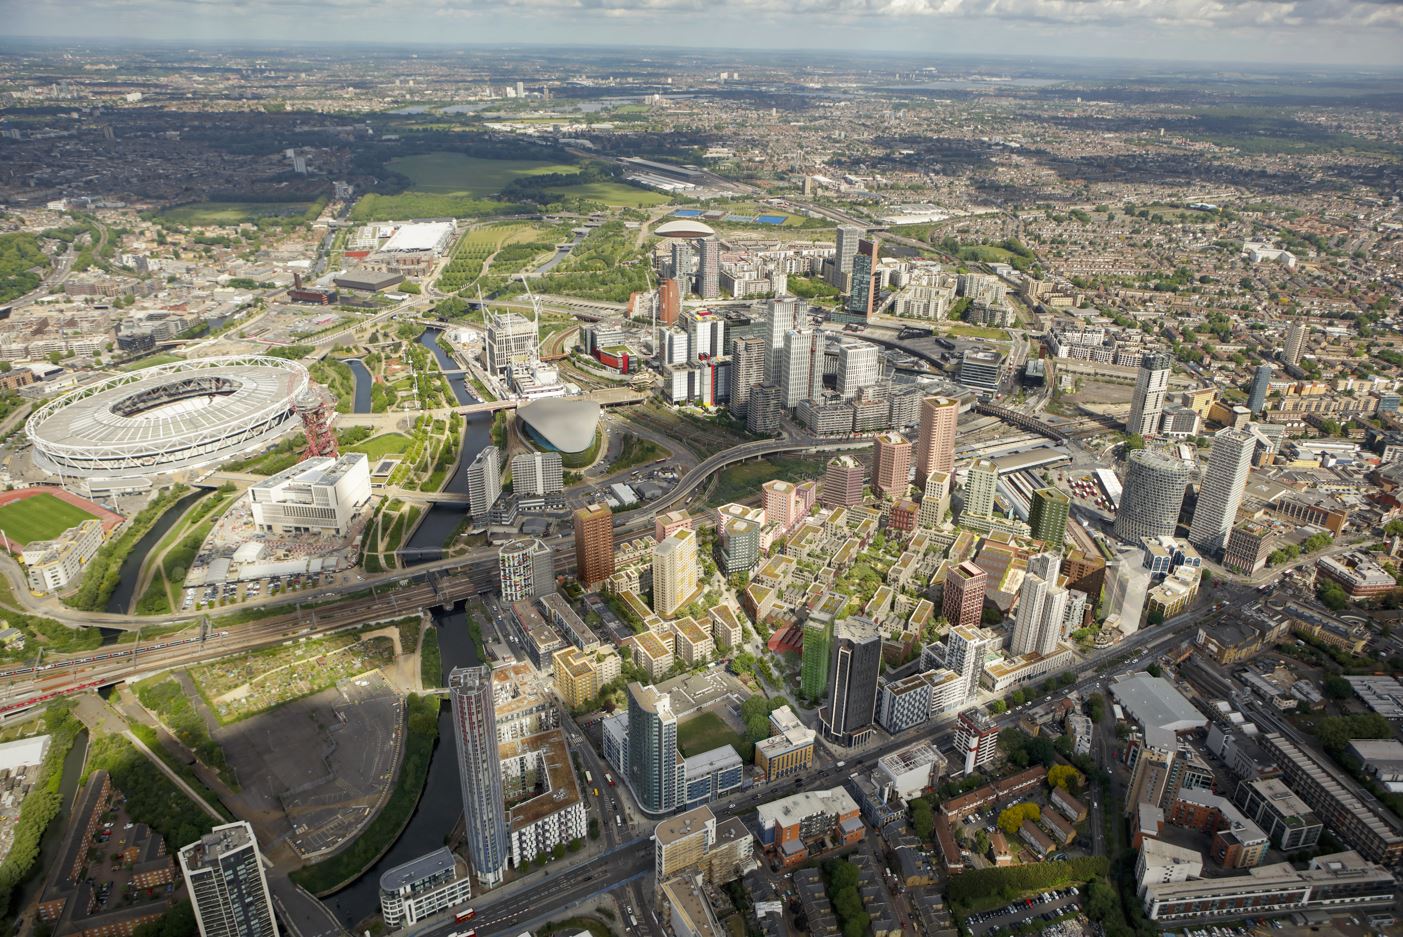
(231, 592)
(327, 762)
(1048, 907)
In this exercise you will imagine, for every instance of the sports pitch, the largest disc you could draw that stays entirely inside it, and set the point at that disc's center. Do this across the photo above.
(40, 517)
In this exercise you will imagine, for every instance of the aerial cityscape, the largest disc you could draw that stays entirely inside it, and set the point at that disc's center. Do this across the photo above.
(530, 489)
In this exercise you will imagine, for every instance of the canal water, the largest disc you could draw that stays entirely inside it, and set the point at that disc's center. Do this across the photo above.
(443, 520)
(52, 841)
(363, 384)
(121, 598)
(441, 805)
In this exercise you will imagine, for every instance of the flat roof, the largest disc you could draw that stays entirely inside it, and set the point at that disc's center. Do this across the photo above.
(788, 811)
(416, 870)
(1160, 709)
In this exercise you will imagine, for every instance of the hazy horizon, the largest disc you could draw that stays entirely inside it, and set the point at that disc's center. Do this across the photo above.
(1291, 33)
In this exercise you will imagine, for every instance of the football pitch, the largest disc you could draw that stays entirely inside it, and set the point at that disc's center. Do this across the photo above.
(39, 517)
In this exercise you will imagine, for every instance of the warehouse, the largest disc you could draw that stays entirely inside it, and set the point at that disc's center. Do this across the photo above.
(369, 281)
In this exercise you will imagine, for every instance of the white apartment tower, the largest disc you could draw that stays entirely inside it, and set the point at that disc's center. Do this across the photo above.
(981, 483)
(537, 473)
(1229, 464)
(859, 366)
(484, 482)
(1147, 403)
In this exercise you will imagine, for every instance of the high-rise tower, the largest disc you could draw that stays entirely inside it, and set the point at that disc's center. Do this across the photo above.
(935, 444)
(224, 875)
(1047, 515)
(855, 663)
(652, 749)
(1152, 496)
(1229, 464)
(479, 771)
(891, 469)
(594, 544)
(1147, 402)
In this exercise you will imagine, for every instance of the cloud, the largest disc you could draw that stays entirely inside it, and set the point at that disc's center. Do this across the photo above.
(1107, 13)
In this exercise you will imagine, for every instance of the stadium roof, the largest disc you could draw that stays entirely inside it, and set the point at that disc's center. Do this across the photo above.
(684, 228)
(566, 423)
(1158, 707)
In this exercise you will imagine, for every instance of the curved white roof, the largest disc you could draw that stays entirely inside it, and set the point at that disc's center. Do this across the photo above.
(566, 423)
(684, 228)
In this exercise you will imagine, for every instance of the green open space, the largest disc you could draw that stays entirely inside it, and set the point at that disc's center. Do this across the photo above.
(231, 213)
(614, 194)
(636, 450)
(742, 480)
(705, 731)
(964, 330)
(377, 447)
(165, 697)
(39, 517)
(456, 174)
(150, 361)
(20, 260)
(255, 681)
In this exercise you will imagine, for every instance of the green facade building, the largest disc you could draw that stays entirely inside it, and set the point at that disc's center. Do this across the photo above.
(1047, 515)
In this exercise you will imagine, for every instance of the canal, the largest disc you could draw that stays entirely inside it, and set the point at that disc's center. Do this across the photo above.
(121, 599)
(27, 891)
(441, 805)
(443, 520)
(363, 384)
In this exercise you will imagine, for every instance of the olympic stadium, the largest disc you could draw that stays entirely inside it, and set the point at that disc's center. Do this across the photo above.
(167, 418)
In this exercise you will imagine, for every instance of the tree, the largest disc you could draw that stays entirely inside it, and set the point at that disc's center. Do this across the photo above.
(998, 707)
(1133, 442)
(1011, 818)
(1337, 687)
(1065, 777)
(922, 819)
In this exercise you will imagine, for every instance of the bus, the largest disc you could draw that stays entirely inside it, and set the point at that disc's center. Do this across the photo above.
(467, 914)
(589, 778)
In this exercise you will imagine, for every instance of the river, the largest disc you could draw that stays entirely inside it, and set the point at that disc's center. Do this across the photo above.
(121, 598)
(441, 805)
(363, 384)
(443, 520)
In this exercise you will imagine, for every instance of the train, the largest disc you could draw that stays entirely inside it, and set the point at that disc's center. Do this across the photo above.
(46, 697)
(108, 655)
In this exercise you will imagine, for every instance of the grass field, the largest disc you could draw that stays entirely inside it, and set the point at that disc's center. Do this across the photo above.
(150, 361)
(39, 517)
(743, 480)
(614, 193)
(456, 174)
(703, 732)
(961, 330)
(231, 213)
(377, 447)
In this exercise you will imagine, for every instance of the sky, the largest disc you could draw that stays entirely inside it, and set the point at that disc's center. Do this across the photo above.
(1365, 33)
